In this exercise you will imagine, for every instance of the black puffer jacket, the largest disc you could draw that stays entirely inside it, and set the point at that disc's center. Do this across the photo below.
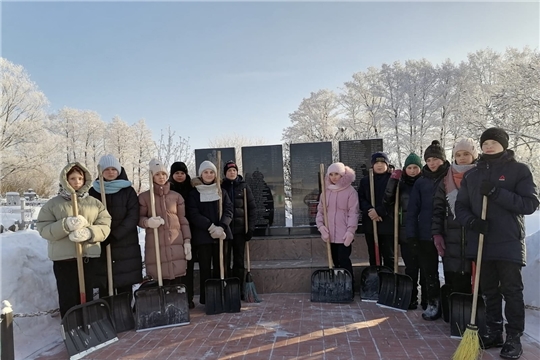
(203, 214)
(516, 195)
(235, 190)
(406, 184)
(124, 237)
(387, 225)
(183, 188)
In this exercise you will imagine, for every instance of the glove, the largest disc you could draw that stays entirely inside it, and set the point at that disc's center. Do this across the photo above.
(80, 235)
(487, 188)
(348, 239)
(187, 250)
(372, 213)
(212, 228)
(396, 174)
(75, 222)
(223, 236)
(479, 225)
(217, 233)
(249, 235)
(155, 222)
(325, 235)
(438, 240)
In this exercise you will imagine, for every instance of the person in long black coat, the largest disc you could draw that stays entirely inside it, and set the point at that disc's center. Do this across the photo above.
(123, 205)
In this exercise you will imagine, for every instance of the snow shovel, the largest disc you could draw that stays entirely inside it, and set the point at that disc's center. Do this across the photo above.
(250, 293)
(369, 278)
(222, 295)
(395, 289)
(86, 327)
(331, 285)
(120, 304)
(163, 306)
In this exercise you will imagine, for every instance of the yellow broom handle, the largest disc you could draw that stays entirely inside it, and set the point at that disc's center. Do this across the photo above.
(478, 264)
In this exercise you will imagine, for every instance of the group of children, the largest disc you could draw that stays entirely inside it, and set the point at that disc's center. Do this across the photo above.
(440, 214)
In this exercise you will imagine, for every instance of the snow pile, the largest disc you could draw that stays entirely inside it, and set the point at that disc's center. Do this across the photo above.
(531, 272)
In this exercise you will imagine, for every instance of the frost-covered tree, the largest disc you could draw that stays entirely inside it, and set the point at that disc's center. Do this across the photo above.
(143, 149)
(172, 147)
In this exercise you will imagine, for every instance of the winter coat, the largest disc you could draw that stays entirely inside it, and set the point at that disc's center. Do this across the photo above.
(516, 195)
(406, 184)
(203, 214)
(420, 208)
(445, 223)
(235, 191)
(383, 227)
(50, 222)
(172, 236)
(341, 207)
(123, 206)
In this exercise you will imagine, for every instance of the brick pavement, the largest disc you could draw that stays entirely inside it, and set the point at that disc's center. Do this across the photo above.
(289, 326)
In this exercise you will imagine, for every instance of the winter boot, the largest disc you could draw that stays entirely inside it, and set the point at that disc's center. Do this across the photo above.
(512, 347)
(491, 339)
(413, 305)
(433, 310)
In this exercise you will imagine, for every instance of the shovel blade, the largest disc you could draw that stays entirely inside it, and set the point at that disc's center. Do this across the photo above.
(222, 296)
(445, 302)
(161, 307)
(369, 282)
(332, 286)
(87, 327)
(395, 291)
(460, 314)
(121, 311)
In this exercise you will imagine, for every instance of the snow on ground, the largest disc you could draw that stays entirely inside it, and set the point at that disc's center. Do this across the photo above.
(28, 283)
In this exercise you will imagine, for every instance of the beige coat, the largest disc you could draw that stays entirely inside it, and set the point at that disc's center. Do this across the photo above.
(172, 236)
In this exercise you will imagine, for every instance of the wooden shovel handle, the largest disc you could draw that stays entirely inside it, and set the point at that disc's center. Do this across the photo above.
(108, 247)
(325, 215)
(396, 230)
(478, 264)
(156, 232)
(79, 252)
(375, 234)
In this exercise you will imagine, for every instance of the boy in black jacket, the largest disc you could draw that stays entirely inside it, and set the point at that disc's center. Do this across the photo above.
(511, 193)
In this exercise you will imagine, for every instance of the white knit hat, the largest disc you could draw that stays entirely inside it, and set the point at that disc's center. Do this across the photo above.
(207, 165)
(156, 166)
(466, 144)
(337, 168)
(108, 161)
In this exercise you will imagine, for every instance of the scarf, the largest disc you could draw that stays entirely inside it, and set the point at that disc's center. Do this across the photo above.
(452, 183)
(208, 192)
(111, 187)
(66, 194)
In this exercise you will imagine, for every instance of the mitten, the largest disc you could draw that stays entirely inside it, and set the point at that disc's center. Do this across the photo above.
(217, 233)
(80, 235)
(479, 225)
(75, 222)
(325, 235)
(249, 235)
(438, 240)
(155, 222)
(348, 239)
(487, 188)
(187, 250)
(396, 174)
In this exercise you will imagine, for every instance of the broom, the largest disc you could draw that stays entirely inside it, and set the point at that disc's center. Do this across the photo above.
(249, 288)
(469, 347)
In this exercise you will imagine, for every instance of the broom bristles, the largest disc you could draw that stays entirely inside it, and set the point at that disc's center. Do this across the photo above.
(250, 292)
(469, 347)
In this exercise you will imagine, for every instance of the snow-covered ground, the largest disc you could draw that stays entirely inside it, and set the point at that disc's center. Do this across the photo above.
(28, 283)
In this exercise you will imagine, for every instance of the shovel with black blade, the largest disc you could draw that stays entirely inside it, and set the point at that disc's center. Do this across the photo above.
(369, 278)
(162, 306)
(332, 285)
(395, 289)
(222, 295)
(86, 327)
(119, 304)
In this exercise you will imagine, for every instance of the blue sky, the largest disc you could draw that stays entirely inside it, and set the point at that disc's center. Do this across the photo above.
(213, 69)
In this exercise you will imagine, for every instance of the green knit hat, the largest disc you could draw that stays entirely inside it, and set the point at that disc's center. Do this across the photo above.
(413, 159)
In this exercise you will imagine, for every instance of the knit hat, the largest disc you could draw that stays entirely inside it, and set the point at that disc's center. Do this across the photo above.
(466, 144)
(207, 165)
(156, 166)
(379, 157)
(179, 166)
(497, 134)
(229, 164)
(413, 159)
(337, 167)
(435, 150)
(109, 160)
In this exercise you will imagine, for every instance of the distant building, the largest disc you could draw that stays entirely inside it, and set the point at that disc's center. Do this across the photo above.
(13, 198)
(30, 195)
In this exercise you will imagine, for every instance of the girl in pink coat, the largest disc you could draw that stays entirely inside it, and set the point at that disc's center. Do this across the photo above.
(342, 211)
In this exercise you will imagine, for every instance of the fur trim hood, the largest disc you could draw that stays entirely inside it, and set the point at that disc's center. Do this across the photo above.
(346, 179)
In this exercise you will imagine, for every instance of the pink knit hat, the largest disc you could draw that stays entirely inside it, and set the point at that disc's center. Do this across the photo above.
(466, 144)
(337, 168)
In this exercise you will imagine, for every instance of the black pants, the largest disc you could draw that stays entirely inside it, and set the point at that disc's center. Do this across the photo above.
(341, 257)
(188, 278)
(386, 250)
(498, 280)
(67, 282)
(208, 255)
(236, 250)
(458, 282)
(429, 265)
(412, 267)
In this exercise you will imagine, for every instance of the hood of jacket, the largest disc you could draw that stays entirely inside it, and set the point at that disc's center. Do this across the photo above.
(345, 180)
(87, 178)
